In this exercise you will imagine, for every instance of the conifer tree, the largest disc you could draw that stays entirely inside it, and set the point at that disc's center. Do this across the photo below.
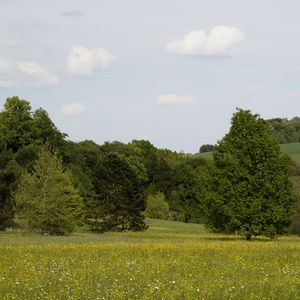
(45, 199)
(119, 199)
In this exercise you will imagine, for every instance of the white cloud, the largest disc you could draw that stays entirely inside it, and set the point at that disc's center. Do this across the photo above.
(220, 41)
(171, 99)
(74, 13)
(294, 94)
(72, 109)
(28, 74)
(82, 61)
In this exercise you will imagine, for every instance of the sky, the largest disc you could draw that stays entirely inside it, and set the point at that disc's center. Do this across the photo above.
(169, 71)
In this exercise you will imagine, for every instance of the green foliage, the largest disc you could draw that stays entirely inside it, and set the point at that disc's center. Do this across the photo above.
(26, 156)
(284, 130)
(16, 123)
(157, 207)
(248, 186)
(45, 199)
(81, 158)
(206, 148)
(185, 199)
(19, 126)
(8, 176)
(44, 130)
(119, 199)
(296, 219)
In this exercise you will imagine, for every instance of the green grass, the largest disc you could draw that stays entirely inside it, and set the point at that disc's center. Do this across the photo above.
(205, 155)
(170, 260)
(292, 148)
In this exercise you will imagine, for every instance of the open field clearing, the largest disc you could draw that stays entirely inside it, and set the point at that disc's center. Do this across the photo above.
(169, 261)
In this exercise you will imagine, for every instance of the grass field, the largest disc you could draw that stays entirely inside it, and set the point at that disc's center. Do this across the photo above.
(293, 150)
(170, 260)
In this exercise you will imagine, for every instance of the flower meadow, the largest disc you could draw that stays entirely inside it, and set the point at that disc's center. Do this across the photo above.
(163, 263)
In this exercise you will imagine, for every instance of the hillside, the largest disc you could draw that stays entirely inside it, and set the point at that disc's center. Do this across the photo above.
(293, 149)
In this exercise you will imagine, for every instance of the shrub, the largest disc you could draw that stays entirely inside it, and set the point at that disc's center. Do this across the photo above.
(157, 207)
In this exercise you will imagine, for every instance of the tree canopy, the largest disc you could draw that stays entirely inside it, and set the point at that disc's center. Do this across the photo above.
(9, 173)
(119, 201)
(248, 186)
(245, 187)
(285, 130)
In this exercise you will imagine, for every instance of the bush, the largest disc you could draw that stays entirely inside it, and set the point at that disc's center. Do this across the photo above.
(157, 207)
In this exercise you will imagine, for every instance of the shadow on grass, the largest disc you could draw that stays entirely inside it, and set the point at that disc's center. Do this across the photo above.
(237, 238)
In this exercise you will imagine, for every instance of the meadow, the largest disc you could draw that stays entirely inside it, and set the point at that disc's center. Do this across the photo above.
(170, 260)
(293, 149)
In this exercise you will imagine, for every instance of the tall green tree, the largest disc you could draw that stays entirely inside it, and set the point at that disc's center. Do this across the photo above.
(8, 177)
(81, 158)
(46, 200)
(16, 126)
(248, 186)
(120, 201)
(206, 148)
(186, 197)
(45, 131)
(20, 126)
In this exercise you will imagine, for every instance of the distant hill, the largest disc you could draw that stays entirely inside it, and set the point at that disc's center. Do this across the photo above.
(293, 149)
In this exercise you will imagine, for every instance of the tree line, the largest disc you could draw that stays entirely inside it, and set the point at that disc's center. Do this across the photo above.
(283, 130)
(50, 184)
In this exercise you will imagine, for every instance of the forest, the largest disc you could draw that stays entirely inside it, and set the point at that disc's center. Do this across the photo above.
(52, 185)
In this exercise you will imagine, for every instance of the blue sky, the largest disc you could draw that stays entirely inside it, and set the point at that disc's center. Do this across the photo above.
(172, 72)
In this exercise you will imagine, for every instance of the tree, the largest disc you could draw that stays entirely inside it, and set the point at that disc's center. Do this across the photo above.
(45, 131)
(45, 199)
(8, 176)
(19, 126)
(206, 148)
(119, 199)
(284, 130)
(16, 126)
(187, 195)
(157, 207)
(296, 218)
(81, 158)
(248, 186)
